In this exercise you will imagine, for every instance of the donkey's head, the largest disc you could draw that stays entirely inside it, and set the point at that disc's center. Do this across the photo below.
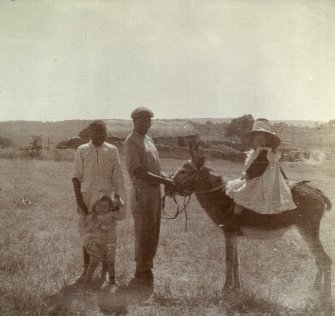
(192, 174)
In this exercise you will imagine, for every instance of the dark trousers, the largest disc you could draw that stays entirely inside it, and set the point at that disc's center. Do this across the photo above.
(146, 208)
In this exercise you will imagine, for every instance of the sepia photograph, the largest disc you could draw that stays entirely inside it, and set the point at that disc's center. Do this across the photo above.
(167, 157)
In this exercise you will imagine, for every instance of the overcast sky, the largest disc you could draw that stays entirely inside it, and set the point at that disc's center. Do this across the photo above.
(90, 59)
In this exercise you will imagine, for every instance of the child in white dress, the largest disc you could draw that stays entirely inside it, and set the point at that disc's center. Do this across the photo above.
(262, 187)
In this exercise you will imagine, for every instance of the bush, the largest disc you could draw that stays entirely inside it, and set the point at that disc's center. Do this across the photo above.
(5, 142)
(35, 147)
(240, 125)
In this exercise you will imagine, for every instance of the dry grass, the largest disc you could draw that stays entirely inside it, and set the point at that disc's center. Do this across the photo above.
(41, 252)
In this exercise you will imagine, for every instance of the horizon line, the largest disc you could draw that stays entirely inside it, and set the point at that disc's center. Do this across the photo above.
(169, 119)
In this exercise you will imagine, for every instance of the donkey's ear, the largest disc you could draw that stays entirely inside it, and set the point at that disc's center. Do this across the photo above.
(193, 149)
(197, 156)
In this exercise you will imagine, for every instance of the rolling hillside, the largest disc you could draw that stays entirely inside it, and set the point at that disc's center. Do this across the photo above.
(21, 132)
(297, 134)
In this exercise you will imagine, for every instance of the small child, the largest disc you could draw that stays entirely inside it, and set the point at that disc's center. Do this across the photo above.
(99, 234)
(262, 187)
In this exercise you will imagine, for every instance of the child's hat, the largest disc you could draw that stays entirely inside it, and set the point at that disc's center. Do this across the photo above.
(98, 196)
(261, 125)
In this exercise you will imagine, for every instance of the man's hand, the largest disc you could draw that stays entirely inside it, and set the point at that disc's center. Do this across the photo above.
(244, 176)
(164, 175)
(169, 184)
(117, 203)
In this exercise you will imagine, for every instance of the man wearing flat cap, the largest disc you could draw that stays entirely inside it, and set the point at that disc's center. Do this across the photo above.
(144, 169)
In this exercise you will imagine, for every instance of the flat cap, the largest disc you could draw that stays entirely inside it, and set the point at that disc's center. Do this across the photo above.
(141, 112)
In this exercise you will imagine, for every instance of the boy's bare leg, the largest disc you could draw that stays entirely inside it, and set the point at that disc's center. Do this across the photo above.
(86, 257)
(111, 272)
(91, 268)
(110, 262)
(103, 269)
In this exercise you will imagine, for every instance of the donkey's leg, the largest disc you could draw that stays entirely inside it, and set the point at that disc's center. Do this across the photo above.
(231, 255)
(237, 280)
(323, 261)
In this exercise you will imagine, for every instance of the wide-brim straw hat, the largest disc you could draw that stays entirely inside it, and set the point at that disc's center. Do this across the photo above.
(261, 126)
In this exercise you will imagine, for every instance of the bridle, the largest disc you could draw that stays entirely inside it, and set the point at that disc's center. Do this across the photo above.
(187, 196)
(198, 170)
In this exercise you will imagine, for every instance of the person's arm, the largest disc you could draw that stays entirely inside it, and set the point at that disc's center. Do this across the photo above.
(258, 167)
(118, 208)
(118, 187)
(79, 197)
(76, 182)
(136, 165)
(147, 176)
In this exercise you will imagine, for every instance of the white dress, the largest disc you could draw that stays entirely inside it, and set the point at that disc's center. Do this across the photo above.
(266, 194)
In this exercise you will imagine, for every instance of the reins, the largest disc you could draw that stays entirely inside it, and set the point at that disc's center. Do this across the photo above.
(179, 210)
(217, 188)
(186, 201)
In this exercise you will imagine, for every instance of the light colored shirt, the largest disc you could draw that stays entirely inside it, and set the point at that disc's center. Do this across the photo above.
(99, 169)
(141, 152)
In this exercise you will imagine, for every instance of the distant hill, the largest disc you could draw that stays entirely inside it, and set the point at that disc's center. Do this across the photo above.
(299, 134)
(301, 123)
(21, 132)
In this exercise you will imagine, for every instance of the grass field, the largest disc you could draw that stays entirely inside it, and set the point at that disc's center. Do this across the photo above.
(40, 251)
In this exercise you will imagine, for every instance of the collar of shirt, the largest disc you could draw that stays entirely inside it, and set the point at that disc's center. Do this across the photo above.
(91, 145)
(138, 135)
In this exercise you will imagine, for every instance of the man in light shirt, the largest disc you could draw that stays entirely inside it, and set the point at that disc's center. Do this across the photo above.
(97, 168)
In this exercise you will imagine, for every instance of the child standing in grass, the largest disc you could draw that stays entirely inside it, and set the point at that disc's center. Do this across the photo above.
(262, 187)
(99, 234)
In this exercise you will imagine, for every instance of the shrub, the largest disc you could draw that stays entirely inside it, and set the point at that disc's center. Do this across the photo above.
(240, 125)
(5, 142)
(35, 147)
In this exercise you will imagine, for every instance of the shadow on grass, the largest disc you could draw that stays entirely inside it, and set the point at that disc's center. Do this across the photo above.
(244, 303)
(116, 302)
(69, 299)
(76, 299)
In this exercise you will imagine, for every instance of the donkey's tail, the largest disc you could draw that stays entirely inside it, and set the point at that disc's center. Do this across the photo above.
(327, 202)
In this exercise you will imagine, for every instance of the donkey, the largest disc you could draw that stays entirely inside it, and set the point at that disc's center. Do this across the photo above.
(194, 177)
